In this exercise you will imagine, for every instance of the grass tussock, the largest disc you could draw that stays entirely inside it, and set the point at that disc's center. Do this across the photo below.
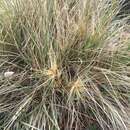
(63, 65)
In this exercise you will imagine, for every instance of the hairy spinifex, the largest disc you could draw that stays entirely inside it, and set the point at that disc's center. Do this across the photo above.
(68, 61)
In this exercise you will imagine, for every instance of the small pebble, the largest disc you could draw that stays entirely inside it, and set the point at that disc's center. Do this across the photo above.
(8, 74)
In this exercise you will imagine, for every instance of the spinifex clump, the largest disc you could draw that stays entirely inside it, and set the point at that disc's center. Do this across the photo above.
(63, 65)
